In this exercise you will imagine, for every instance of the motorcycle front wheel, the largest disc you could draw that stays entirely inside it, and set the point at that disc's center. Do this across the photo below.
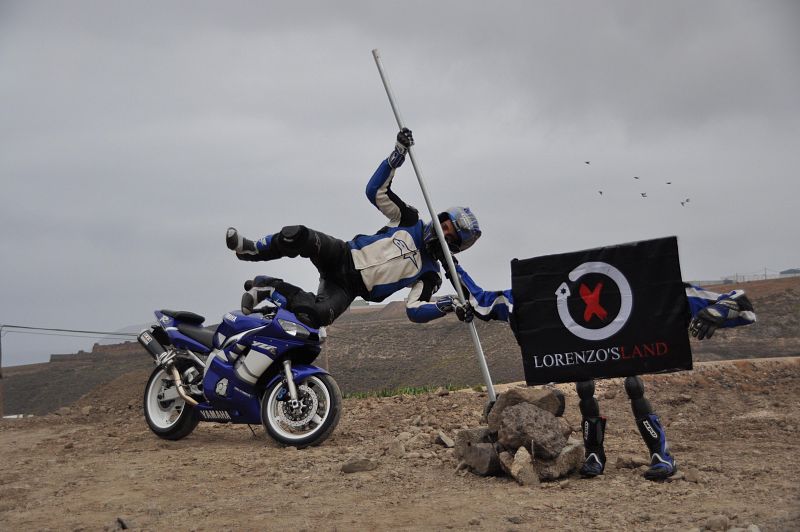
(311, 419)
(167, 415)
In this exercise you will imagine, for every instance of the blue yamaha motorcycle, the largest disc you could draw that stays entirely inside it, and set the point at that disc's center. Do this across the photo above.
(251, 368)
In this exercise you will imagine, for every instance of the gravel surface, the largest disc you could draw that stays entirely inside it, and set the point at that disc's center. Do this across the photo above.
(732, 425)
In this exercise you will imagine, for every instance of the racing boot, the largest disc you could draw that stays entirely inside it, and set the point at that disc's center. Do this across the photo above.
(247, 249)
(662, 463)
(594, 429)
(303, 305)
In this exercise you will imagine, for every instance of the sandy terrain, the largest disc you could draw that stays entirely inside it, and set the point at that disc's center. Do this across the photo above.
(733, 427)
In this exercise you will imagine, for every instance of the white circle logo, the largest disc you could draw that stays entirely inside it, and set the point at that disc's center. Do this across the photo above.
(626, 301)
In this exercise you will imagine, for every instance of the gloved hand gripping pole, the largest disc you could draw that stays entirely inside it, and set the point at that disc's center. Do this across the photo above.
(439, 233)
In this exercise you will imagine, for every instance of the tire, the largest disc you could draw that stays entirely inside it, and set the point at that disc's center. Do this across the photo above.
(302, 427)
(172, 419)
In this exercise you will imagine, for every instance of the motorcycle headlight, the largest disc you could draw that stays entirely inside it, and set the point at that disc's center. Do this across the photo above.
(294, 329)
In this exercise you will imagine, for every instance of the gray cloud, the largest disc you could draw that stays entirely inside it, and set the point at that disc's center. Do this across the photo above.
(133, 134)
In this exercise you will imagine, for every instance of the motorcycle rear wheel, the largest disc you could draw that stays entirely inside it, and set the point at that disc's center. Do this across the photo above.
(309, 424)
(170, 419)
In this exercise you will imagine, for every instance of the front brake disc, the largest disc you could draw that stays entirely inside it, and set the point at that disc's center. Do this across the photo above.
(298, 417)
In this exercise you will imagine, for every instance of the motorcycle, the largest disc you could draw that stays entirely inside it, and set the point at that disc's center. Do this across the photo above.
(249, 369)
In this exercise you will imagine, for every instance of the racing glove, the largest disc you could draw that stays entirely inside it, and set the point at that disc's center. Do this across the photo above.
(464, 312)
(726, 309)
(404, 141)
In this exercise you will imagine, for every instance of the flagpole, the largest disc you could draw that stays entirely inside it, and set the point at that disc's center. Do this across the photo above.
(2, 406)
(451, 267)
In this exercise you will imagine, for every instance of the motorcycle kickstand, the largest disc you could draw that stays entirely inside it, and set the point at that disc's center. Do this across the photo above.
(287, 369)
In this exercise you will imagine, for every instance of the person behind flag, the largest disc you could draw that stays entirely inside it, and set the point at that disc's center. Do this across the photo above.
(405, 252)
(708, 311)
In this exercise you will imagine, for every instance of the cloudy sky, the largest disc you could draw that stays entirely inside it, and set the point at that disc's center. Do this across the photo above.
(132, 134)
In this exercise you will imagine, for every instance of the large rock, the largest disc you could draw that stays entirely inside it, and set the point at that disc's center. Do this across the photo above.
(549, 399)
(527, 425)
(482, 459)
(467, 437)
(568, 460)
(566, 428)
(506, 461)
(522, 469)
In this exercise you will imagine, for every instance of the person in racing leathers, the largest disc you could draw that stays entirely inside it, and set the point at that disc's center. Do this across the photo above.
(708, 311)
(403, 253)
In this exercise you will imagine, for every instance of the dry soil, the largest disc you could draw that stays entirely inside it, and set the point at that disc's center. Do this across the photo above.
(733, 427)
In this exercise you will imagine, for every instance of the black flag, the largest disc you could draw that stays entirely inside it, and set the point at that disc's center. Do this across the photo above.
(614, 311)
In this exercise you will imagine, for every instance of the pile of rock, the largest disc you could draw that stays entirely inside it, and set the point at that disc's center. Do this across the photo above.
(526, 438)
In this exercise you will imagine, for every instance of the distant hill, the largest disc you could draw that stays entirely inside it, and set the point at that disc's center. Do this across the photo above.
(777, 331)
(376, 347)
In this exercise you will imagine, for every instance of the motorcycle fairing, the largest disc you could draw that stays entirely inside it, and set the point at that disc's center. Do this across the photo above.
(300, 372)
(238, 398)
(236, 322)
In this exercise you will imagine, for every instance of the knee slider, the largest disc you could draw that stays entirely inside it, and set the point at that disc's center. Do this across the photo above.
(585, 389)
(309, 315)
(634, 386)
(641, 407)
(292, 237)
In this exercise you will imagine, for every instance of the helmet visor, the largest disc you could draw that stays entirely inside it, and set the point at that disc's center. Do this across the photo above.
(466, 226)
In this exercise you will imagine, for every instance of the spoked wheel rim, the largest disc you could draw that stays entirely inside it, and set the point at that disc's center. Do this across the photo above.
(308, 418)
(163, 414)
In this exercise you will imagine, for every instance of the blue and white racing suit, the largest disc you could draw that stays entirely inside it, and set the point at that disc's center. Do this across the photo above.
(371, 266)
(396, 256)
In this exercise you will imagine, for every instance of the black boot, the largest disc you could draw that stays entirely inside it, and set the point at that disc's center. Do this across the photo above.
(594, 429)
(662, 463)
(247, 249)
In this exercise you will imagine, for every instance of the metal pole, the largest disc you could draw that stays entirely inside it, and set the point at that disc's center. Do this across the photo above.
(451, 267)
(1, 373)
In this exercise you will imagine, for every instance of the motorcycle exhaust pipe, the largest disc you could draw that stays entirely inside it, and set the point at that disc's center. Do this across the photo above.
(157, 351)
(179, 386)
(151, 345)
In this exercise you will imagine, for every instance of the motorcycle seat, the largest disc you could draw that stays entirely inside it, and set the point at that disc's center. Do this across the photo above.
(184, 316)
(204, 335)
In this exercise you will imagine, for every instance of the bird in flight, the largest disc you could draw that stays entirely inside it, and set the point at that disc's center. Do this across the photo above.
(600, 192)
(644, 194)
(587, 162)
(669, 182)
(635, 177)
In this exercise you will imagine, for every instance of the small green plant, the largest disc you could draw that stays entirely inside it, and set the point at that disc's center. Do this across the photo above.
(404, 390)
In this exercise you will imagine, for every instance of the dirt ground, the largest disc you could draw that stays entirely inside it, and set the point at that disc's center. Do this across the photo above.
(733, 427)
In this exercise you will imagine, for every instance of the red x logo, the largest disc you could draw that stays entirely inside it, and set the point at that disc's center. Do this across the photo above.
(592, 300)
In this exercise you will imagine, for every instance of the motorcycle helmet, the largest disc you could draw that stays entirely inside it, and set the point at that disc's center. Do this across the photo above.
(466, 225)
